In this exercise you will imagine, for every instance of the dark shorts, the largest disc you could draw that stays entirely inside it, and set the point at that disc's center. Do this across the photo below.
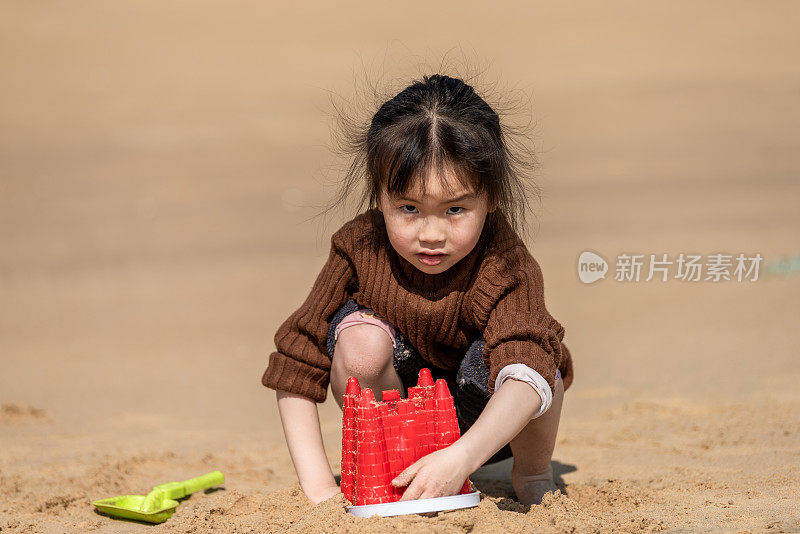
(467, 385)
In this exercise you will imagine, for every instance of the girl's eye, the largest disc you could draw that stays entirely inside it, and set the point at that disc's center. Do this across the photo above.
(403, 209)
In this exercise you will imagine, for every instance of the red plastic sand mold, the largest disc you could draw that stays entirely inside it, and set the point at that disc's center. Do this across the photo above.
(381, 439)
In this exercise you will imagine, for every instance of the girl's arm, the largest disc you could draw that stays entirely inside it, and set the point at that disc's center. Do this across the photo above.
(443, 472)
(300, 420)
(508, 411)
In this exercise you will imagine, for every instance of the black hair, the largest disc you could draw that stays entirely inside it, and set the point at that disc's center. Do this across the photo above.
(438, 122)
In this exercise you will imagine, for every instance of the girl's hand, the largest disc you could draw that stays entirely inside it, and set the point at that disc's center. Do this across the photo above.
(438, 474)
(317, 495)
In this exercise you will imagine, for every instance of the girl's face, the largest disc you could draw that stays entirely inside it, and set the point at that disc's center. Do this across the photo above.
(435, 232)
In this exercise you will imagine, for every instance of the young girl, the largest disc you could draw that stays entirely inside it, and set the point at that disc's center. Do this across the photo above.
(433, 275)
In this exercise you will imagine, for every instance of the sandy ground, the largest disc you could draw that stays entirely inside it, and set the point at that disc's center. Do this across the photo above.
(158, 163)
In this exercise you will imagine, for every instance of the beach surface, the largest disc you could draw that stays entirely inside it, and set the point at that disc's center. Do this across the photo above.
(159, 164)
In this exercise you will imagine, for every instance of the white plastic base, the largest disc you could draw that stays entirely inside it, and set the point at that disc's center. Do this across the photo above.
(419, 506)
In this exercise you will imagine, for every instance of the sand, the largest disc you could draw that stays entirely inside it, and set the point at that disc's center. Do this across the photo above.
(158, 164)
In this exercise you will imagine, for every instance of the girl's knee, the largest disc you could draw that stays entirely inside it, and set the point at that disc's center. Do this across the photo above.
(364, 351)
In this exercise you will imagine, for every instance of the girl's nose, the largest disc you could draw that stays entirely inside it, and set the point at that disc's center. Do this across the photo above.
(432, 231)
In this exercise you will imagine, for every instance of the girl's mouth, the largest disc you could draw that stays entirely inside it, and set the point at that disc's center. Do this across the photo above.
(431, 259)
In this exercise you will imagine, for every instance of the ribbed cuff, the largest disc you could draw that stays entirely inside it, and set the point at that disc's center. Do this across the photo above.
(526, 352)
(287, 374)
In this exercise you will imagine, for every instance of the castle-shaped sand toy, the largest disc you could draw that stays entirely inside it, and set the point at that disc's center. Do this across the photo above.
(381, 439)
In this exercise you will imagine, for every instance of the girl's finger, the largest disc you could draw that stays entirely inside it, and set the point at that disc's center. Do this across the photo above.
(404, 478)
(432, 491)
(413, 491)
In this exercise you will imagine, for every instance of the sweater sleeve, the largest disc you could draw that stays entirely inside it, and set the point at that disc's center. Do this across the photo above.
(520, 329)
(300, 363)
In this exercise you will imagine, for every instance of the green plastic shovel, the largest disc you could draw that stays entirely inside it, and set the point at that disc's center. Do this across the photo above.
(158, 505)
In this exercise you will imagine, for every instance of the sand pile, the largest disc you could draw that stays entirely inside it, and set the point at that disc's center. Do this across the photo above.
(609, 507)
(58, 499)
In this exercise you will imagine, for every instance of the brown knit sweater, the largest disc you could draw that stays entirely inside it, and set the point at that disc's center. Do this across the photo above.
(497, 290)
